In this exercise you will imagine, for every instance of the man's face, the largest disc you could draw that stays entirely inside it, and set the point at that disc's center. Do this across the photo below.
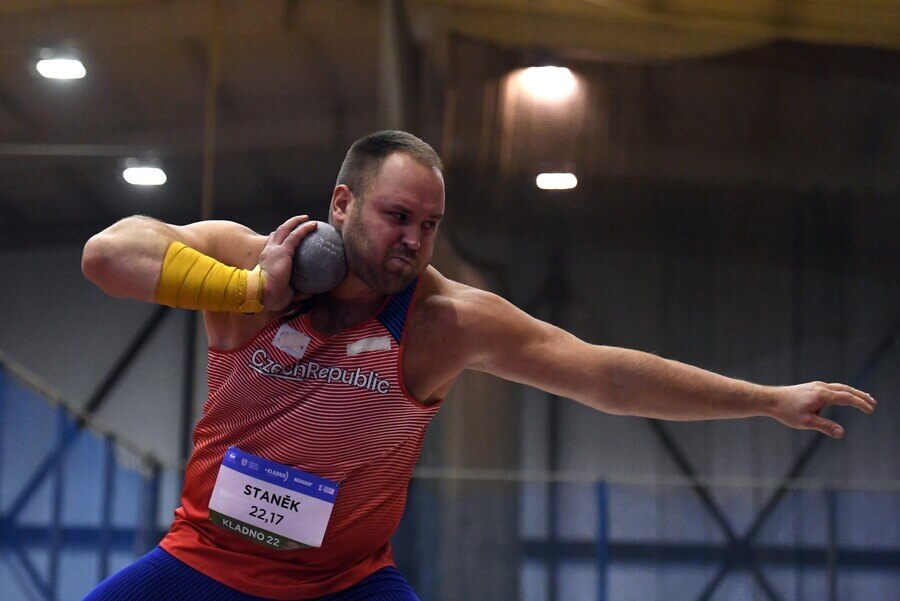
(389, 231)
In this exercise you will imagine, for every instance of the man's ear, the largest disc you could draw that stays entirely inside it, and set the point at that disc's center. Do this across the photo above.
(341, 199)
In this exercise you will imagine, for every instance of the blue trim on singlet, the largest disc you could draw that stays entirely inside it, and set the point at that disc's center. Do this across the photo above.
(393, 316)
(159, 576)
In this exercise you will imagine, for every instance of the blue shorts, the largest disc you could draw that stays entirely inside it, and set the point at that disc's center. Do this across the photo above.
(158, 576)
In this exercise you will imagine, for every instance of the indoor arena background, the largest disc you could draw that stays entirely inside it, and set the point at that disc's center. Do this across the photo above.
(737, 208)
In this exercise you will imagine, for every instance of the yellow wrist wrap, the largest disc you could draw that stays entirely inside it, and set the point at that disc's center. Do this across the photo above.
(192, 280)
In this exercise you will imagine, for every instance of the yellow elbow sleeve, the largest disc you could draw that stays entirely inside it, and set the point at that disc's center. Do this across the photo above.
(192, 280)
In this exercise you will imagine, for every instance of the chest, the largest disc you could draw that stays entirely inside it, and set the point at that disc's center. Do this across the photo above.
(429, 361)
(327, 405)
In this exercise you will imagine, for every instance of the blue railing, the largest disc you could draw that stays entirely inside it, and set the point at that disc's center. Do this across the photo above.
(76, 504)
(652, 538)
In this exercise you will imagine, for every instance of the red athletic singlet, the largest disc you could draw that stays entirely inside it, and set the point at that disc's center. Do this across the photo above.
(339, 410)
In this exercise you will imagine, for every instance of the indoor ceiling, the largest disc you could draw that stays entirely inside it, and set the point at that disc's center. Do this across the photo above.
(298, 80)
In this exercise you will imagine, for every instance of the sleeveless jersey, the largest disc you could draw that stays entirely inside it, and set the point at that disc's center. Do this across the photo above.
(337, 408)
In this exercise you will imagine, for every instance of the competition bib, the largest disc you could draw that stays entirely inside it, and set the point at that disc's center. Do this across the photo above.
(271, 504)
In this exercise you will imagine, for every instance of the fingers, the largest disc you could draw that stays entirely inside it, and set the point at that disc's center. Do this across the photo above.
(293, 239)
(285, 229)
(867, 399)
(844, 395)
(847, 399)
(826, 426)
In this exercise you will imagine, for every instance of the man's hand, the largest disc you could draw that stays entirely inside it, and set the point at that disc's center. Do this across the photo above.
(799, 406)
(276, 260)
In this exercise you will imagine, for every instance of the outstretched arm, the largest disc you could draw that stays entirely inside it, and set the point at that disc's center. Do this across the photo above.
(508, 343)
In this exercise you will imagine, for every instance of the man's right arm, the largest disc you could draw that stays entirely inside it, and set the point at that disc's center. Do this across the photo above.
(125, 259)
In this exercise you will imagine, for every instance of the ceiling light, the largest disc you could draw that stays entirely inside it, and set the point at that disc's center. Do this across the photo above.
(144, 176)
(548, 83)
(61, 68)
(556, 181)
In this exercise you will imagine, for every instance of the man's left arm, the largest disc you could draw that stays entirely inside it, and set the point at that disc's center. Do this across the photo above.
(511, 344)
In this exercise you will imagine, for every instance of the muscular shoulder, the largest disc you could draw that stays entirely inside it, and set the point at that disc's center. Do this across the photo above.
(457, 317)
(455, 327)
(443, 333)
(447, 303)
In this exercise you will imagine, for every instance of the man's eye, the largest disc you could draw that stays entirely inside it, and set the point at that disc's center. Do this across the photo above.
(430, 225)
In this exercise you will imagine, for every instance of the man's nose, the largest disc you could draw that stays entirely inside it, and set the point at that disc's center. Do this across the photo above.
(412, 239)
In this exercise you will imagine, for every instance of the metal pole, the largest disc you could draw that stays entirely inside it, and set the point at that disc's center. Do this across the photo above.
(62, 427)
(3, 455)
(552, 502)
(214, 55)
(109, 479)
(556, 292)
(396, 85)
(134, 347)
(831, 504)
(602, 542)
(187, 391)
(147, 531)
(35, 577)
(707, 592)
(690, 473)
(734, 545)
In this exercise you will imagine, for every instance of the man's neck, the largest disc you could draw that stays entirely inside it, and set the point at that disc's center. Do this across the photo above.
(353, 292)
(351, 303)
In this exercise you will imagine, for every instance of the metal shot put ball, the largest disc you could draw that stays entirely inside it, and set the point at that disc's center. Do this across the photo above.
(319, 262)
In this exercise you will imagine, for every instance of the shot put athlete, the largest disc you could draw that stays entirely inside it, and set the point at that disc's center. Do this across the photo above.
(318, 404)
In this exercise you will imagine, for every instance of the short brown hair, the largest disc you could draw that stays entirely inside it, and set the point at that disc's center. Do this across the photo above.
(366, 155)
